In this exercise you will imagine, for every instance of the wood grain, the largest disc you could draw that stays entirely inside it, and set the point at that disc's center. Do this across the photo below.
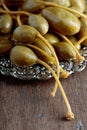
(28, 105)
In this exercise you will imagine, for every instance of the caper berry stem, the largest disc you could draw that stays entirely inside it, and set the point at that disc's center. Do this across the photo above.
(55, 89)
(81, 40)
(15, 12)
(4, 6)
(69, 115)
(18, 20)
(64, 74)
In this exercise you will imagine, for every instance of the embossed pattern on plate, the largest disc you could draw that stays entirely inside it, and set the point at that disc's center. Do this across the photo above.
(39, 71)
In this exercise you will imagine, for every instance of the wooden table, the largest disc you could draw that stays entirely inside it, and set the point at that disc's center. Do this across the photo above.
(28, 105)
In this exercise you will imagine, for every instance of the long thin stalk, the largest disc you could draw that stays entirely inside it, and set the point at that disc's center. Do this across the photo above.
(81, 40)
(55, 89)
(69, 114)
(15, 12)
(18, 20)
(64, 74)
(4, 6)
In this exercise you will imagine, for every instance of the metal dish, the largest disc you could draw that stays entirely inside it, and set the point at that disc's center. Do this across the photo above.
(39, 71)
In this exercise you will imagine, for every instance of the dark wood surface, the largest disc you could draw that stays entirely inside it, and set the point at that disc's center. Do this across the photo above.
(28, 105)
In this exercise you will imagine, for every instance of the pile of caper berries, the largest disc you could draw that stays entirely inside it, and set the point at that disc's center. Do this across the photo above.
(44, 32)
